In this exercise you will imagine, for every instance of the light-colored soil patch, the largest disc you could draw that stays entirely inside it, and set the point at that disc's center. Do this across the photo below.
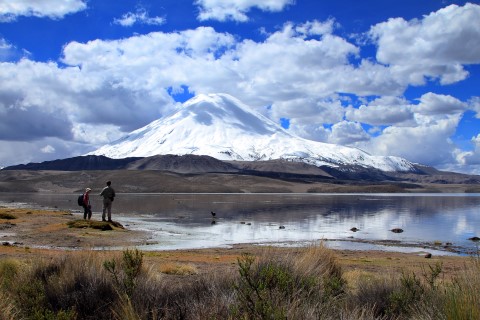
(49, 229)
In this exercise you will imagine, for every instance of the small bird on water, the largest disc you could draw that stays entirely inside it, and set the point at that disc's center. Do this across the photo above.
(213, 213)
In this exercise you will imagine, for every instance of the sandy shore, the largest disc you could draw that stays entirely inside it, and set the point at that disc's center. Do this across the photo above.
(32, 233)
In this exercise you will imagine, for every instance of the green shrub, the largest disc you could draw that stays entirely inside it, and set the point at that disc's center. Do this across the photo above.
(286, 286)
(406, 297)
(258, 287)
(68, 287)
(410, 292)
(126, 272)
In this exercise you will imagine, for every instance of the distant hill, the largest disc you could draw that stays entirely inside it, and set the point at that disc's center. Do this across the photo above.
(276, 169)
(76, 164)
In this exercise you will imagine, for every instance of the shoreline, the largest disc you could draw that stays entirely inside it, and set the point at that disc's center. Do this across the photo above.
(148, 236)
(44, 234)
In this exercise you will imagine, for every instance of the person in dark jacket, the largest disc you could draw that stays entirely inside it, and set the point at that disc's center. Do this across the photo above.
(108, 195)
(87, 208)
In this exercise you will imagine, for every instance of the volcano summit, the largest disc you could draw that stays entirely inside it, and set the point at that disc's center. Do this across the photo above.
(220, 126)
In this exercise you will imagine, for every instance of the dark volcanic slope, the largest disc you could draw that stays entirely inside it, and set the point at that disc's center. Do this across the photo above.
(284, 166)
(182, 164)
(77, 164)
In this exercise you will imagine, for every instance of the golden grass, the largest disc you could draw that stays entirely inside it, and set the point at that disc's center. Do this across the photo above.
(178, 269)
(81, 224)
(7, 308)
(20, 211)
(355, 278)
(317, 259)
(462, 298)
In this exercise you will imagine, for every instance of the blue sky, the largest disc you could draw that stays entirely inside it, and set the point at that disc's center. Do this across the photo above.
(390, 77)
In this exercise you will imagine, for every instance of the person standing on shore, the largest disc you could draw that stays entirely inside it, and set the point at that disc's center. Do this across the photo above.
(108, 195)
(87, 208)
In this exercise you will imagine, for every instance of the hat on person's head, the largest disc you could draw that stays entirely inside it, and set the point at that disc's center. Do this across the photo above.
(88, 189)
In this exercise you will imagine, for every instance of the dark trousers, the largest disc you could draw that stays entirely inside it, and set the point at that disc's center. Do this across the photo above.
(87, 212)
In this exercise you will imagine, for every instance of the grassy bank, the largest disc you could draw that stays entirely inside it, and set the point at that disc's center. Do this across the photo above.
(273, 283)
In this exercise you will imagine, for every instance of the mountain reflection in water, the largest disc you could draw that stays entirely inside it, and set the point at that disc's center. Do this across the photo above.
(185, 220)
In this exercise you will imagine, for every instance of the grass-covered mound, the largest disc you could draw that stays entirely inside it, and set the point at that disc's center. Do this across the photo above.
(7, 216)
(100, 225)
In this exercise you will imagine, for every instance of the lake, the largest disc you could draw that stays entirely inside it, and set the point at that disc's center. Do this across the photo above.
(177, 221)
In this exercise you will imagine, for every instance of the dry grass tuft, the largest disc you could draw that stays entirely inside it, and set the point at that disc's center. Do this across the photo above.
(462, 298)
(179, 269)
(7, 216)
(7, 308)
(81, 224)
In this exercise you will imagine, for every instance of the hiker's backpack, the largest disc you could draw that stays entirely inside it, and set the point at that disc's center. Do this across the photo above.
(80, 200)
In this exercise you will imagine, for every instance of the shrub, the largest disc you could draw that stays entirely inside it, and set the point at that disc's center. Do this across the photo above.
(410, 291)
(69, 287)
(128, 269)
(288, 286)
(407, 297)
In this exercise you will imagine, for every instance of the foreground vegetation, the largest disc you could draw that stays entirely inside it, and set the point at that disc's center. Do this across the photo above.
(306, 284)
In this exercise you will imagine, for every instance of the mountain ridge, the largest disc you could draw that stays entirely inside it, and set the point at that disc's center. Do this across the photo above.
(279, 169)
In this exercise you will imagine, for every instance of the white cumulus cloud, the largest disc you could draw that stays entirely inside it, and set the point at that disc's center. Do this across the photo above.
(471, 157)
(141, 16)
(436, 46)
(236, 10)
(426, 143)
(348, 133)
(382, 111)
(439, 104)
(54, 9)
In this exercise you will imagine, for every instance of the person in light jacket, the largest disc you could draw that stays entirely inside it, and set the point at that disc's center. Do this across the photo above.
(108, 195)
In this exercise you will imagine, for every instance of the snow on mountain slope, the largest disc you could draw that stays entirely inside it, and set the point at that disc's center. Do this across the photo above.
(220, 126)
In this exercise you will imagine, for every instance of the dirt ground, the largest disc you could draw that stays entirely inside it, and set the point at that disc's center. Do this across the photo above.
(33, 234)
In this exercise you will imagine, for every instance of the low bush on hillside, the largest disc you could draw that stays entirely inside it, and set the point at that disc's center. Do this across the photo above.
(303, 284)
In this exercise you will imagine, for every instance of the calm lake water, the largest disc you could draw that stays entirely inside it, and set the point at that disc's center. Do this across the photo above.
(184, 220)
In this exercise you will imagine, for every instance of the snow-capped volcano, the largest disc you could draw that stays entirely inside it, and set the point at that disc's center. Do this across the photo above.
(220, 126)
